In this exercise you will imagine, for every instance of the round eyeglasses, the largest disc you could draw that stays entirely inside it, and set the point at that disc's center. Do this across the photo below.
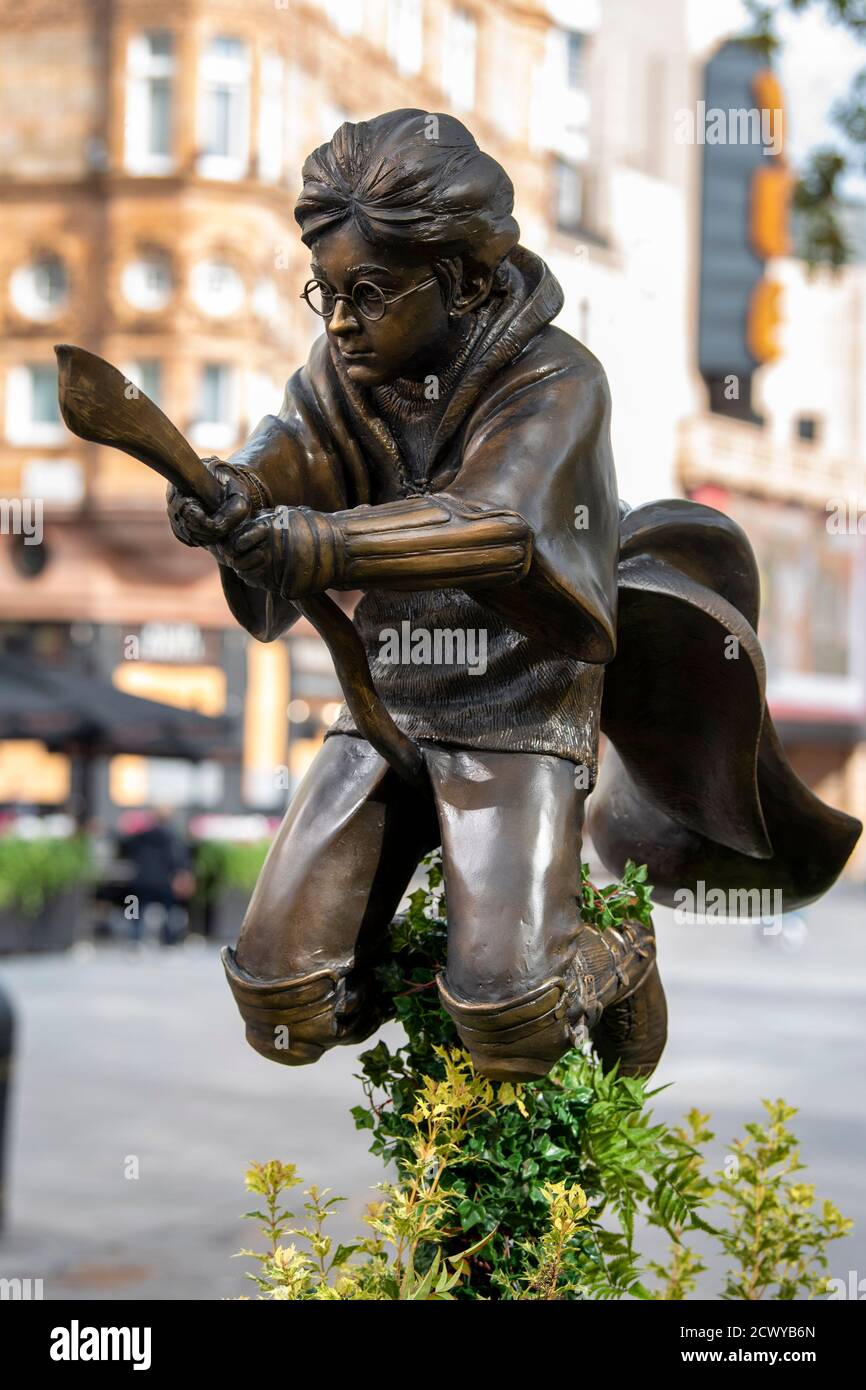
(367, 299)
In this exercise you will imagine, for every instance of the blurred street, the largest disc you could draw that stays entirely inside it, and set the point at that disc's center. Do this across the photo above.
(123, 1055)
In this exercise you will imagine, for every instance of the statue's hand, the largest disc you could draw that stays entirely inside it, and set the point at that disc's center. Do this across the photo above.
(194, 526)
(292, 551)
(256, 551)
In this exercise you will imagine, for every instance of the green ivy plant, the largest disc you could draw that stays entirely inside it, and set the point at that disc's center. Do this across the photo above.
(534, 1191)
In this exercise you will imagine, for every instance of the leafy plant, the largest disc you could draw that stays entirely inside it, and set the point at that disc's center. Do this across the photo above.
(33, 871)
(775, 1239)
(224, 866)
(817, 200)
(628, 900)
(574, 1125)
(535, 1191)
(405, 1258)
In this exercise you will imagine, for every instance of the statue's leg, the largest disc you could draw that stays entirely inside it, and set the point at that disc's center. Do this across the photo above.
(525, 975)
(333, 879)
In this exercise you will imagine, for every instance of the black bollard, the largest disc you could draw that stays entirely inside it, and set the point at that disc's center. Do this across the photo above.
(7, 1045)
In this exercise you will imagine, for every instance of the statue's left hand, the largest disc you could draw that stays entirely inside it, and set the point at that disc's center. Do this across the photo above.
(291, 551)
(256, 551)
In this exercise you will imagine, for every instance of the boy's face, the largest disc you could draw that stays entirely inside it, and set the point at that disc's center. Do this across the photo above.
(412, 335)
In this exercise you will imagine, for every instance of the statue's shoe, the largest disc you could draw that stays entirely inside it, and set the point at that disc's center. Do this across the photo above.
(609, 965)
(520, 1038)
(633, 1030)
(295, 1020)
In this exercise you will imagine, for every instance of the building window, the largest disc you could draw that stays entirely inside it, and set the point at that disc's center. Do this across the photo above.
(568, 196)
(406, 35)
(575, 60)
(147, 283)
(59, 480)
(43, 395)
(271, 118)
(807, 428)
(224, 108)
(459, 60)
(40, 290)
(146, 375)
(32, 410)
(216, 421)
(149, 79)
(217, 288)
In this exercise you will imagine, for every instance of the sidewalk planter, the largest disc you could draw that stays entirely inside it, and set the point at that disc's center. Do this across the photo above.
(220, 918)
(226, 873)
(42, 888)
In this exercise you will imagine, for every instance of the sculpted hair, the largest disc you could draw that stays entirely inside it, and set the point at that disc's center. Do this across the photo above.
(410, 176)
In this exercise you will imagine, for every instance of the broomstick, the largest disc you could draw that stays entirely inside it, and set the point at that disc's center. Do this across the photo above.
(96, 405)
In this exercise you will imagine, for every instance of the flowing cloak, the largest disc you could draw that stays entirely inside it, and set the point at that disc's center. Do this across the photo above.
(664, 598)
(695, 783)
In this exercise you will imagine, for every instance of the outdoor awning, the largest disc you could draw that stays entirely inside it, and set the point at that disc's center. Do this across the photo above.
(72, 711)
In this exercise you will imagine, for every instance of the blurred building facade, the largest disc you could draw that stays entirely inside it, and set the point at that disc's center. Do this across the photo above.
(149, 161)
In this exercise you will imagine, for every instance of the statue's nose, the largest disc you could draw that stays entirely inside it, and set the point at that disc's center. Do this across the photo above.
(344, 318)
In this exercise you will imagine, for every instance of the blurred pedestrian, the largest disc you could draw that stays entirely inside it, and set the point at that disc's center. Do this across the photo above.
(162, 881)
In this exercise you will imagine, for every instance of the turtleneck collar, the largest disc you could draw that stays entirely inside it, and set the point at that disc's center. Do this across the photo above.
(527, 301)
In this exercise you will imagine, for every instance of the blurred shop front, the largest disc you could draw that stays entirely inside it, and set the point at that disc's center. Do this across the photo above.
(268, 707)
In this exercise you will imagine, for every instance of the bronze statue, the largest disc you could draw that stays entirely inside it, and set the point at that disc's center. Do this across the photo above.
(446, 451)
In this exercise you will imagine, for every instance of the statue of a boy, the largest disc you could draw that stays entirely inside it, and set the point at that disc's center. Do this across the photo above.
(446, 451)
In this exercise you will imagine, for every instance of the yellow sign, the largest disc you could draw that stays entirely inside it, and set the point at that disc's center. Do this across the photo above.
(201, 688)
(765, 317)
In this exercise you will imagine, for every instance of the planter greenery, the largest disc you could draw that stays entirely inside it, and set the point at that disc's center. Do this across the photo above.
(224, 866)
(32, 872)
(536, 1191)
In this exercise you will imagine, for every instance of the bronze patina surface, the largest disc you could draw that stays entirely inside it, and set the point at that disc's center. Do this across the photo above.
(445, 450)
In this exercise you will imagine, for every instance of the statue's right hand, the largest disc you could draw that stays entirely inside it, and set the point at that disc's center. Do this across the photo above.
(193, 525)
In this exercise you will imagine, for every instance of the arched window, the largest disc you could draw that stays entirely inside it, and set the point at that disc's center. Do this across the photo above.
(40, 290)
(217, 288)
(147, 282)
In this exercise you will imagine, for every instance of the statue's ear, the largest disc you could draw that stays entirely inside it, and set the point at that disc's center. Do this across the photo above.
(470, 284)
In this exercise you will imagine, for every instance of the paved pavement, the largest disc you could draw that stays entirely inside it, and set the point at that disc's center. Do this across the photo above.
(125, 1057)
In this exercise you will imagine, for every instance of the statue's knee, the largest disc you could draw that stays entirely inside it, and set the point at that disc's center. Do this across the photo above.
(293, 1021)
(514, 1038)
